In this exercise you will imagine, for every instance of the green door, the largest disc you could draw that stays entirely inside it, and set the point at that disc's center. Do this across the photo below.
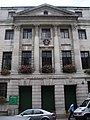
(70, 96)
(48, 100)
(25, 98)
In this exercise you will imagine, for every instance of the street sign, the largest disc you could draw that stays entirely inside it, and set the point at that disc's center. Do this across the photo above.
(13, 99)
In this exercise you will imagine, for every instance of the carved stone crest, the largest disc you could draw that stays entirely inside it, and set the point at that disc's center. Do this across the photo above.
(46, 41)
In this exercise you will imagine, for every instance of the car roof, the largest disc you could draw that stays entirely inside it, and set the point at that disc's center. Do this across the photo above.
(38, 109)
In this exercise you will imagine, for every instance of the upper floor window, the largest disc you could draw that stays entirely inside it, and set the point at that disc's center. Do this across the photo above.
(82, 34)
(85, 59)
(11, 13)
(46, 58)
(46, 34)
(9, 34)
(64, 33)
(26, 58)
(79, 13)
(27, 33)
(3, 89)
(45, 12)
(6, 61)
(66, 57)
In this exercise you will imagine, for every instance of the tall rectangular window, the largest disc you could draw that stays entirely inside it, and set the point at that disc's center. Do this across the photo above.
(26, 58)
(46, 58)
(82, 34)
(85, 59)
(3, 89)
(46, 34)
(27, 33)
(9, 34)
(6, 62)
(64, 33)
(66, 57)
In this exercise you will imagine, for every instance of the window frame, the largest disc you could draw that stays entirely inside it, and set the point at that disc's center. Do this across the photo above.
(64, 33)
(46, 57)
(66, 57)
(3, 89)
(82, 34)
(85, 59)
(25, 58)
(6, 60)
(45, 33)
(27, 33)
(9, 34)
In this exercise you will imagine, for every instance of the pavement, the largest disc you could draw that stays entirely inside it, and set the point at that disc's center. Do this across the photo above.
(20, 118)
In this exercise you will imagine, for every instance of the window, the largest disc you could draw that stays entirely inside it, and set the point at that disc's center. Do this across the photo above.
(27, 33)
(82, 34)
(9, 34)
(66, 57)
(45, 12)
(3, 89)
(11, 13)
(85, 59)
(64, 33)
(6, 62)
(26, 58)
(46, 58)
(79, 13)
(45, 34)
(38, 112)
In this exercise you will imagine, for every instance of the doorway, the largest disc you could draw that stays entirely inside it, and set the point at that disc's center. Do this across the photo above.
(25, 98)
(70, 96)
(48, 100)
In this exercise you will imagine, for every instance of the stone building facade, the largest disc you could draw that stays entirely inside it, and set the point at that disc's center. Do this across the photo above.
(36, 43)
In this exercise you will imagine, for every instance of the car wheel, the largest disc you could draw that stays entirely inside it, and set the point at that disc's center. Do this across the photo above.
(87, 117)
(45, 119)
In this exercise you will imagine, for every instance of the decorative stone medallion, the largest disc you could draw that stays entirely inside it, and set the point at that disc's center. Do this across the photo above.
(46, 41)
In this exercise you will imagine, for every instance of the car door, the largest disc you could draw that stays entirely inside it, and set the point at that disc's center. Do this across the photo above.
(88, 108)
(37, 114)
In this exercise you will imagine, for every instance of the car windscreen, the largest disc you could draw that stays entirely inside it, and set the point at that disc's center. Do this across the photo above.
(84, 104)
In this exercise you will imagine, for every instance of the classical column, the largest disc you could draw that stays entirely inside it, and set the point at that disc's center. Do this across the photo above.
(1, 54)
(56, 51)
(36, 50)
(15, 52)
(76, 48)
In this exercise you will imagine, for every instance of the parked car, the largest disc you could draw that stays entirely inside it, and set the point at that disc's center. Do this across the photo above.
(38, 114)
(83, 112)
(14, 118)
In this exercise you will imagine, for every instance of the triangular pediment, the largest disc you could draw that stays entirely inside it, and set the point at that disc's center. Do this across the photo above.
(45, 9)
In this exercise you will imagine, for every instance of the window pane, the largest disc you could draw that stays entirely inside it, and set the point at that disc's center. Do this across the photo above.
(26, 58)
(66, 57)
(3, 89)
(82, 34)
(64, 33)
(85, 59)
(6, 62)
(27, 33)
(9, 34)
(46, 58)
(46, 34)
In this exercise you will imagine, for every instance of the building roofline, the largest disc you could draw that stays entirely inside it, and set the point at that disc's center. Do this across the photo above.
(30, 7)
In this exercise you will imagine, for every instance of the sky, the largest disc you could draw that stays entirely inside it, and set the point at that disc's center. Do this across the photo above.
(12, 3)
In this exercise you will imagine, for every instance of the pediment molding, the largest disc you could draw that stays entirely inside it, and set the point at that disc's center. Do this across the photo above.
(39, 11)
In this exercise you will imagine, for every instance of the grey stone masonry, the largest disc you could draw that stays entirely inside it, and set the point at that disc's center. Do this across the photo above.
(56, 51)
(15, 52)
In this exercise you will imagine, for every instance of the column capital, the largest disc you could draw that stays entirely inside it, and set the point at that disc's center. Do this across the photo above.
(55, 30)
(74, 26)
(17, 27)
